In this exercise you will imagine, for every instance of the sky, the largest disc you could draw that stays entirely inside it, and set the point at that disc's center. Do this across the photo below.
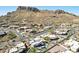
(71, 9)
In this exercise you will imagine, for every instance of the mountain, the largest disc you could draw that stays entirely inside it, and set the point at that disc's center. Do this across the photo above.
(32, 15)
(28, 24)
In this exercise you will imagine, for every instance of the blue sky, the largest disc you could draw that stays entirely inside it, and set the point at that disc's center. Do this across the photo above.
(71, 9)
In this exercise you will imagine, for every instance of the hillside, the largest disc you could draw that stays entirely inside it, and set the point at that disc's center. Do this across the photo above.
(33, 15)
(21, 29)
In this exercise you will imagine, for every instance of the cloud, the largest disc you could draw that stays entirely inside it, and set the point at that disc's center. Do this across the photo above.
(3, 13)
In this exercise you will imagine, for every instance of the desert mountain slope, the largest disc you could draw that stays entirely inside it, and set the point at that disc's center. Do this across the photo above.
(28, 28)
(33, 15)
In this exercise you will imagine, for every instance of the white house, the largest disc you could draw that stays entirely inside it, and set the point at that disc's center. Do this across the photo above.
(13, 50)
(53, 37)
(37, 42)
(74, 45)
(18, 48)
(61, 31)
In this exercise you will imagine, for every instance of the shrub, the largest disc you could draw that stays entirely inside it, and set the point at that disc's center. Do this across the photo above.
(11, 35)
(32, 50)
(47, 39)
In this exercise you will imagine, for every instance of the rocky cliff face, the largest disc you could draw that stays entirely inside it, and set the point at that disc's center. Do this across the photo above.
(63, 12)
(60, 12)
(20, 8)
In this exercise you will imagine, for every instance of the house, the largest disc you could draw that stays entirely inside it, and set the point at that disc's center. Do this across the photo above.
(61, 31)
(75, 48)
(13, 26)
(19, 48)
(47, 27)
(37, 42)
(5, 26)
(73, 45)
(2, 33)
(23, 29)
(70, 42)
(13, 50)
(53, 37)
